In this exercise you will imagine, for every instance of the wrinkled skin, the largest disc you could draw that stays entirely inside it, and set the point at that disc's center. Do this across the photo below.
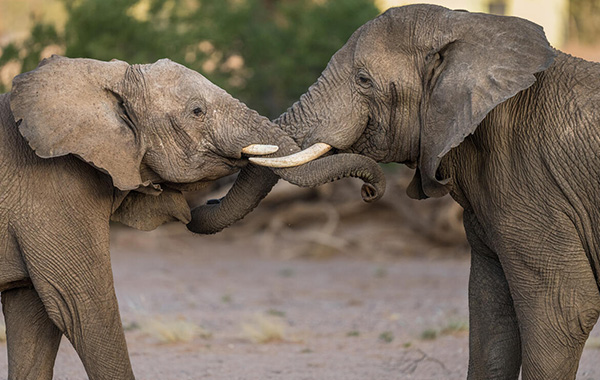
(83, 142)
(487, 111)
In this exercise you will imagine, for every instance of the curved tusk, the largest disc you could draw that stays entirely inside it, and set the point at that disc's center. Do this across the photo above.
(260, 149)
(313, 152)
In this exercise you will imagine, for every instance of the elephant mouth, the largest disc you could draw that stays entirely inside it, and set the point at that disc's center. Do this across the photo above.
(242, 159)
(237, 163)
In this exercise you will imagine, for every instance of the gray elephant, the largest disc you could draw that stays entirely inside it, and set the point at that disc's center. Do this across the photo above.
(110, 140)
(487, 111)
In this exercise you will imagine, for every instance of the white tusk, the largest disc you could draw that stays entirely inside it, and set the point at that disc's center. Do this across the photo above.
(313, 152)
(260, 150)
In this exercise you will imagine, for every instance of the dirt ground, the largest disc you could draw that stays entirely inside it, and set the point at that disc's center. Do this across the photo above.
(313, 290)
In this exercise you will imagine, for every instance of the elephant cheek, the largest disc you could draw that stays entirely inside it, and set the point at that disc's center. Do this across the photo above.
(372, 142)
(370, 145)
(341, 135)
(209, 171)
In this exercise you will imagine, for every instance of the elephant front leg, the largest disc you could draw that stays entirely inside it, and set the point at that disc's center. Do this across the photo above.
(556, 312)
(71, 273)
(494, 342)
(32, 338)
(556, 299)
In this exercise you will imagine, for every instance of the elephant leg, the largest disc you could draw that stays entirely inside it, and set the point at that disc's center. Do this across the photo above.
(32, 338)
(556, 299)
(494, 342)
(70, 270)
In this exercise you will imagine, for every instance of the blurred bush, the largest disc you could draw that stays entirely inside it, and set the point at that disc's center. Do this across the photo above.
(264, 52)
(584, 20)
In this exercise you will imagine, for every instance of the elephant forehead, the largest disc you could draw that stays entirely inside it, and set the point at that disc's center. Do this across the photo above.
(380, 44)
(172, 81)
(381, 60)
(408, 28)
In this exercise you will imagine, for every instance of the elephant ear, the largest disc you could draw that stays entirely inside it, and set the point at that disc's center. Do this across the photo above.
(480, 61)
(146, 212)
(69, 106)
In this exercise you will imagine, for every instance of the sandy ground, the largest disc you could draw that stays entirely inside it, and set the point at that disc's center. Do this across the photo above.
(254, 306)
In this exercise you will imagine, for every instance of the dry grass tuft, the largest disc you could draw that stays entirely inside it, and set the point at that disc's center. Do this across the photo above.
(386, 337)
(172, 330)
(264, 329)
(429, 334)
(455, 326)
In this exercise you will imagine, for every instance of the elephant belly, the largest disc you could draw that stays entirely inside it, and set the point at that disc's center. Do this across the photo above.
(12, 267)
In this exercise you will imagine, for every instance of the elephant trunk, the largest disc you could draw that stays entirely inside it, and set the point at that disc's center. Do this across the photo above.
(255, 182)
(251, 186)
(335, 167)
(316, 116)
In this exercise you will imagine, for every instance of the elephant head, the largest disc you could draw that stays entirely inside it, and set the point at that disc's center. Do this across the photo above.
(411, 84)
(151, 128)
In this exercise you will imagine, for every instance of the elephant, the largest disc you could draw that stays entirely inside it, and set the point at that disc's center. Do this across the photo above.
(85, 142)
(484, 109)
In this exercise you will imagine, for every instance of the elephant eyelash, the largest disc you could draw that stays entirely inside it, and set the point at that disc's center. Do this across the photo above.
(363, 80)
(199, 111)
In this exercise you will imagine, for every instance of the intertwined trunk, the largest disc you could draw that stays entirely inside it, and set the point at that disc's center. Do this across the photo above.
(292, 130)
(255, 182)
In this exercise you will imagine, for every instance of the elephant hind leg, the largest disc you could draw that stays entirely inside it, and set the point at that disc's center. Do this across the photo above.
(32, 338)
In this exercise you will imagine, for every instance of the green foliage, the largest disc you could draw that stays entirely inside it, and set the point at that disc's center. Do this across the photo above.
(28, 53)
(105, 29)
(265, 52)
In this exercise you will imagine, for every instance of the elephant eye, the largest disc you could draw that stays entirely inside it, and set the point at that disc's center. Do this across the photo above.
(364, 80)
(198, 111)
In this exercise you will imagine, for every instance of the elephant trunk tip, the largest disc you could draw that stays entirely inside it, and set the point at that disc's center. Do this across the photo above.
(202, 222)
(371, 193)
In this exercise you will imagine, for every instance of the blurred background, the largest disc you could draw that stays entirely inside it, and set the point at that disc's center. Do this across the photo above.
(314, 280)
(265, 52)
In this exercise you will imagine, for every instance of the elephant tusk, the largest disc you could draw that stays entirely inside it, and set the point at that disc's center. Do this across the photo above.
(260, 149)
(313, 152)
